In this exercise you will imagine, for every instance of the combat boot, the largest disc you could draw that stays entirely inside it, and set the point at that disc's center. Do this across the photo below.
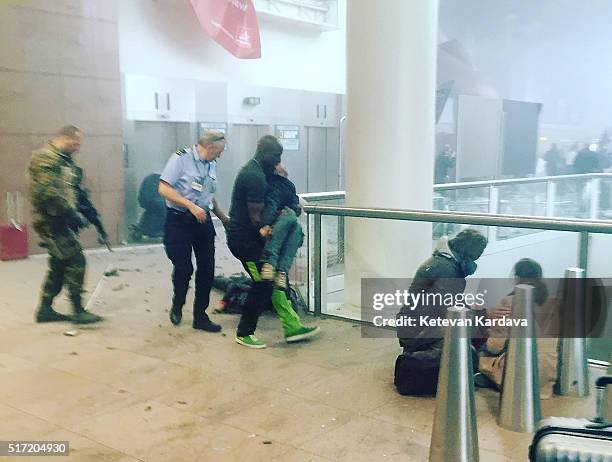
(46, 313)
(82, 316)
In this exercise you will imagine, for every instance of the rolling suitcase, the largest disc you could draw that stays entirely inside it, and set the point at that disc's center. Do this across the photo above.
(560, 439)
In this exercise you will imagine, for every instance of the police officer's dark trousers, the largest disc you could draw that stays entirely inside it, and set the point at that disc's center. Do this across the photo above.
(183, 234)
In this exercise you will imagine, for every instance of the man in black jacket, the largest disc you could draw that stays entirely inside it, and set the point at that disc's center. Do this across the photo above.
(244, 239)
(441, 277)
(443, 273)
(281, 226)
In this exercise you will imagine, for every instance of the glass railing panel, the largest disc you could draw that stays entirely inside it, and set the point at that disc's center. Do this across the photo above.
(463, 200)
(498, 261)
(605, 199)
(520, 199)
(573, 198)
(600, 270)
(334, 242)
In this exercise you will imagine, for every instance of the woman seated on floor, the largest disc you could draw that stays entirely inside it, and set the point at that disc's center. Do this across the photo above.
(493, 353)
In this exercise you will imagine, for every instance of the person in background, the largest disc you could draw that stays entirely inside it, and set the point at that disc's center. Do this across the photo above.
(586, 161)
(493, 354)
(56, 195)
(555, 161)
(188, 183)
(444, 162)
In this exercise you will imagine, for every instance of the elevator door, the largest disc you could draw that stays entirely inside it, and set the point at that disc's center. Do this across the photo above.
(323, 159)
(317, 165)
(241, 145)
(295, 161)
(150, 147)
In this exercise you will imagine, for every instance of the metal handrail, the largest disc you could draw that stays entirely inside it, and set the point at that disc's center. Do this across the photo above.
(323, 196)
(335, 195)
(539, 179)
(467, 218)
(584, 227)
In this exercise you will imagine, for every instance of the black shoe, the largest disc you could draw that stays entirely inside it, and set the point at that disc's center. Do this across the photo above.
(85, 317)
(176, 315)
(482, 381)
(48, 314)
(206, 324)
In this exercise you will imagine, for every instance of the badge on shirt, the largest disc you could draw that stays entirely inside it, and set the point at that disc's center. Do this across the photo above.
(197, 186)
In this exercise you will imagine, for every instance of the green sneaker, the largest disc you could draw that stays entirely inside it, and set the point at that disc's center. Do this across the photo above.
(250, 341)
(302, 333)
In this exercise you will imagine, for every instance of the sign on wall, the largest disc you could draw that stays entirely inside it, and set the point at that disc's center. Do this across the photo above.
(219, 126)
(232, 24)
(289, 137)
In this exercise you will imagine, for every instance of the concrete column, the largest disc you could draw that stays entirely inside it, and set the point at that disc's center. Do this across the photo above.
(391, 83)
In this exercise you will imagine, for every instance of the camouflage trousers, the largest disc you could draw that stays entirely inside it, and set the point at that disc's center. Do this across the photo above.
(66, 262)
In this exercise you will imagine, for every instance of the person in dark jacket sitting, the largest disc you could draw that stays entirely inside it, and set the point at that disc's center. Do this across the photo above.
(443, 273)
(282, 207)
(439, 278)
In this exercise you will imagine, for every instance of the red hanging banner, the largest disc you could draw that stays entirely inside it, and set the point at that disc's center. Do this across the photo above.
(232, 24)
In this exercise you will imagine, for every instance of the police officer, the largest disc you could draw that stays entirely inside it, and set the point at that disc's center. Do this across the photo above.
(188, 183)
(55, 190)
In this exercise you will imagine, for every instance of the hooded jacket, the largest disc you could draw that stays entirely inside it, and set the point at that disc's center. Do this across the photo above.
(441, 274)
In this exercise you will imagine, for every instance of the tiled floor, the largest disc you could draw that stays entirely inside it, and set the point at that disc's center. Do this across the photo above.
(137, 388)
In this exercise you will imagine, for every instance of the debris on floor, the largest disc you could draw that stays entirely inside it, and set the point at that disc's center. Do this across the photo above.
(120, 287)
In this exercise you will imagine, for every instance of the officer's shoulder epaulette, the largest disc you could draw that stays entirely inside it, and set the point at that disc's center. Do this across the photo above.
(180, 152)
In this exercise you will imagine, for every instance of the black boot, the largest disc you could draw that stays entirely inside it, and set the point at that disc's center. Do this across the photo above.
(46, 313)
(203, 322)
(176, 315)
(82, 316)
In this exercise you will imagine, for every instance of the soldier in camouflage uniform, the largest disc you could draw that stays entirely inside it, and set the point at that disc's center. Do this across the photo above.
(54, 183)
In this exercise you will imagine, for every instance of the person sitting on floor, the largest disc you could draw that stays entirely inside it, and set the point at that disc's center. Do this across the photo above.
(443, 274)
(493, 353)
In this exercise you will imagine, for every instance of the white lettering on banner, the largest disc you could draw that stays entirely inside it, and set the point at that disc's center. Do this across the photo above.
(426, 299)
(483, 321)
(479, 321)
(242, 6)
(426, 321)
(401, 321)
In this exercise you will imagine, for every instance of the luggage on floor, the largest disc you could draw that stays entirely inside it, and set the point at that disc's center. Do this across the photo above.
(560, 439)
(14, 236)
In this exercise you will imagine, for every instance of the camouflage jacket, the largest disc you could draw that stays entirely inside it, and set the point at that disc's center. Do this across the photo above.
(53, 178)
